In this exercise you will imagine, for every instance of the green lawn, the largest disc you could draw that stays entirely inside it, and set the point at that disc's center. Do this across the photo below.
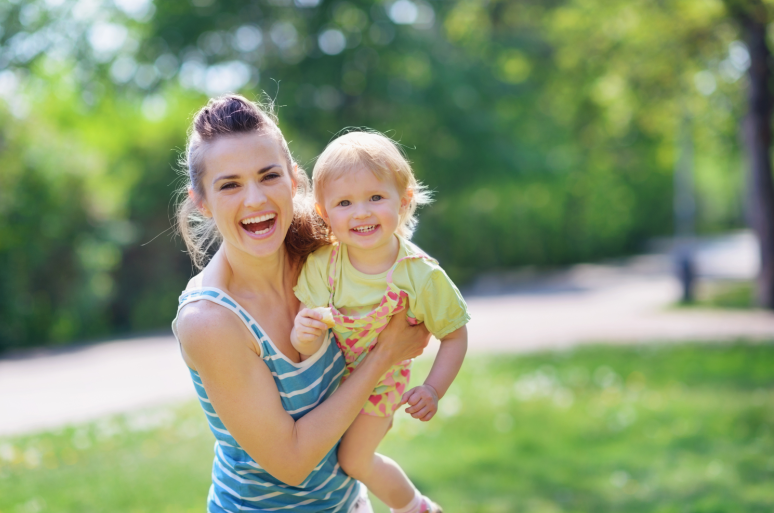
(686, 428)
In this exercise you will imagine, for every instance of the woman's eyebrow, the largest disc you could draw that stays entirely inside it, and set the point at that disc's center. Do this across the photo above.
(232, 177)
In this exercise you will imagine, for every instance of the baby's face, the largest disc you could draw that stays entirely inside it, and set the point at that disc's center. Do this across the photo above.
(362, 210)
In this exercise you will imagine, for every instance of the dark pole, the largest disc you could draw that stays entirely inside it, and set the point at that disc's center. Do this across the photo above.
(685, 214)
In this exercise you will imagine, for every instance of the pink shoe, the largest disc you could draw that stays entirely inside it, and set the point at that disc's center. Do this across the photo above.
(429, 506)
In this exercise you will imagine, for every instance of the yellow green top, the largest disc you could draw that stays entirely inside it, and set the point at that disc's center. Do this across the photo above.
(433, 297)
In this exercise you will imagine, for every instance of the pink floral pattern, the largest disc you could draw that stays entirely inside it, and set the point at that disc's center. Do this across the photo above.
(356, 335)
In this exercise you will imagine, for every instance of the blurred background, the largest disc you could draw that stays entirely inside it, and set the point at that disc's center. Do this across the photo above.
(550, 131)
(601, 172)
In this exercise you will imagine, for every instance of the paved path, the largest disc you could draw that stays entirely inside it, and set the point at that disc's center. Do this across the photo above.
(623, 303)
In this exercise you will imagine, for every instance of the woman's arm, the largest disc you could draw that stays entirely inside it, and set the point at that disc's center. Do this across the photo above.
(244, 394)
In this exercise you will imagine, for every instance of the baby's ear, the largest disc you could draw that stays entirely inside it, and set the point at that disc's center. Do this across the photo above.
(405, 201)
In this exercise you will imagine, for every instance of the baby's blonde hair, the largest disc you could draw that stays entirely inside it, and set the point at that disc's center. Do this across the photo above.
(380, 155)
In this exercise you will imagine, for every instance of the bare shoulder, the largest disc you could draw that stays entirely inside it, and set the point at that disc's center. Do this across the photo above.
(204, 327)
(195, 282)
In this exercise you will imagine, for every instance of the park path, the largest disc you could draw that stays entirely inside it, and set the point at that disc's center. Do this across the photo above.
(627, 302)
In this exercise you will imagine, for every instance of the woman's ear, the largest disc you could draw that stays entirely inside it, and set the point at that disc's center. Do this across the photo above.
(200, 205)
(294, 179)
(321, 212)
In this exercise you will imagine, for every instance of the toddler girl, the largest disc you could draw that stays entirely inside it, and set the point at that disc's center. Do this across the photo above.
(367, 195)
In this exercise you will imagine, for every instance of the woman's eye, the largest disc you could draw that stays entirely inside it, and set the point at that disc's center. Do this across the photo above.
(344, 203)
(228, 185)
(376, 197)
(270, 176)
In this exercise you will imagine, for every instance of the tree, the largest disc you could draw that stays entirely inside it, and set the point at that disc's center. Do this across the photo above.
(754, 17)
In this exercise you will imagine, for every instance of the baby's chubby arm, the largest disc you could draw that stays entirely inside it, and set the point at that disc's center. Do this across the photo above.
(423, 400)
(309, 329)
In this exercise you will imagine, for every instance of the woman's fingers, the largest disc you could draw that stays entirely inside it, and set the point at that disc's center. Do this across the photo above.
(402, 340)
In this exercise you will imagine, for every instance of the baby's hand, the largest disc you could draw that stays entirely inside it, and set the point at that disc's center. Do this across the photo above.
(308, 326)
(423, 402)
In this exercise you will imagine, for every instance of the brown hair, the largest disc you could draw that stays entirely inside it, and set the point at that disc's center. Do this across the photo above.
(229, 115)
(380, 155)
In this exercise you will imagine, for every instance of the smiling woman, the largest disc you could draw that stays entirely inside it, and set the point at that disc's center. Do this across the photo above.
(277, 417)
(245, 125)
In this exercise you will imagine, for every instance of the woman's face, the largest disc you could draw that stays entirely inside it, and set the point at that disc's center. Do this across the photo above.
(248, 191)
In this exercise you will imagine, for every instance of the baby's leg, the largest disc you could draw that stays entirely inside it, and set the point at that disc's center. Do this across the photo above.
(358, 458)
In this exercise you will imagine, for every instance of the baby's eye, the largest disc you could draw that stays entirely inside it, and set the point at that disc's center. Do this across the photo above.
(376, 197)
(344, 203)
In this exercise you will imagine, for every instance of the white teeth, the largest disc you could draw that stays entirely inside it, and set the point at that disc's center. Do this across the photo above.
(259, 219)
(364, 229)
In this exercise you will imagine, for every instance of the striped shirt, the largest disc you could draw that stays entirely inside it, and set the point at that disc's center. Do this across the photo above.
(238, 482)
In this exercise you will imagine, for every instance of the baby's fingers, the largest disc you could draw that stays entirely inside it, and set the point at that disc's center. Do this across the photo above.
(422, 413)
(429, 416)
(410, 397)
(419, 405)
(307, 334)
(312, 323)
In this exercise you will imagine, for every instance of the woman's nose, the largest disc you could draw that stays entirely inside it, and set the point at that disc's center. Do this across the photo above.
(255, 195)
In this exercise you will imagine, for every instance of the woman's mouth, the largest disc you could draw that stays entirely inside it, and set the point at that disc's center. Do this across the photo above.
(259, 225)
(365, 230)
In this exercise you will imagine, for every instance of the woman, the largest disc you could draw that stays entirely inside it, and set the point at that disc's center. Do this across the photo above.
(277, 419)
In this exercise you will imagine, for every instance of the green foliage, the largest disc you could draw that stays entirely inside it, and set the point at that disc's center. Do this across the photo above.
(662, 428)
(546, 129)
(78, 204)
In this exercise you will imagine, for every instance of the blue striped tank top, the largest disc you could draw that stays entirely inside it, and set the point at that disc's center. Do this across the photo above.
(238, 482)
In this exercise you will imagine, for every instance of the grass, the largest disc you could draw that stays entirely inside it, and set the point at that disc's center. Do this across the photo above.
(686, 428)
(736, 295)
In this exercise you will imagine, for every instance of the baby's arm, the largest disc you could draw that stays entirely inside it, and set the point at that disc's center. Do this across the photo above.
(423, 400)
(308, 330)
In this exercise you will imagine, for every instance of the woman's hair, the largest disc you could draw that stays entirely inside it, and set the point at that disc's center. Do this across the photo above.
(226, 116)
(380, 155)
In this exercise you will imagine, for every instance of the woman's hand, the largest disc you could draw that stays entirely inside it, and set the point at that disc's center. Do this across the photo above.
(400, 341)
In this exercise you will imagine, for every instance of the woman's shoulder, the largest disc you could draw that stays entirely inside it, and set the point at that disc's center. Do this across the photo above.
(195, 282)
(204, 327)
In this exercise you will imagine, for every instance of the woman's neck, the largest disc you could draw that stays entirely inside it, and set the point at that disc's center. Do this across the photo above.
(248, 276)
(374, 260)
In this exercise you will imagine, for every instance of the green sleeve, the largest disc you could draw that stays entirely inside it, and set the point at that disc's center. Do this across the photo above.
(440, 305)
(312, 286)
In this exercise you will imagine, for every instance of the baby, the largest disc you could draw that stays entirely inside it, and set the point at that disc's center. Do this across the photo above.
(367, 194)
